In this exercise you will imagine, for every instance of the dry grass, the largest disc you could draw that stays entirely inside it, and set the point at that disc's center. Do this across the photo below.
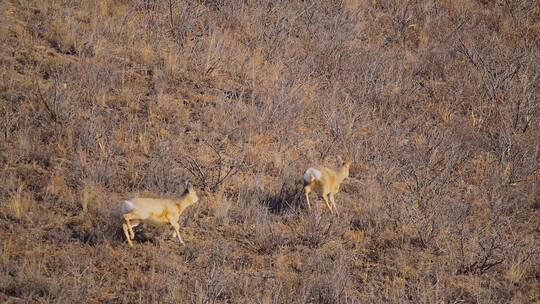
(437, 104)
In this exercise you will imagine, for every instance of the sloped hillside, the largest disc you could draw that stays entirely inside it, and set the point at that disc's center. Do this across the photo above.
(436, 103)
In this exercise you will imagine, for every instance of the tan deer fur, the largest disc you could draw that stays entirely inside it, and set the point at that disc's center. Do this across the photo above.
(325, 182)
(162, 210)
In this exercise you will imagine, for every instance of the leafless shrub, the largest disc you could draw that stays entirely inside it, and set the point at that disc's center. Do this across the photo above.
(213, 173)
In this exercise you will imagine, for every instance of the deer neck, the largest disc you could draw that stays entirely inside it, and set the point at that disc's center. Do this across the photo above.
(185, 201)
(181, 203)
(342, 173)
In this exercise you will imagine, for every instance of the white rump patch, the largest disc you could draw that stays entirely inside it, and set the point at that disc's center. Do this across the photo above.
(312, 172)
(127, 206)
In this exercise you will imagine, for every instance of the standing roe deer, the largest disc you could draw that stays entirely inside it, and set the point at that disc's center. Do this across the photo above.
(159, 210)
(326, 182)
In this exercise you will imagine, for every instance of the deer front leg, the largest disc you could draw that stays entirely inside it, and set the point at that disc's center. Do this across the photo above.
(325, 197)
(176, 227)
(331, 195)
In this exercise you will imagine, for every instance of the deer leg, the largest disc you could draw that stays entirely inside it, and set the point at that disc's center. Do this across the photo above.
(331, 195)
(176, 227)
(307, 190)
(125, 227)
(325, 197)
(132, 225)
(127, 218)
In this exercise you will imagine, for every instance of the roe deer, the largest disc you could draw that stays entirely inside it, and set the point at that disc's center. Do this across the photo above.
(155, 209)
(326, 182)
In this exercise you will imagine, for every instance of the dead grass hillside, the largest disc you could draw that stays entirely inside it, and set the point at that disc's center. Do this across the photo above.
(437, 103)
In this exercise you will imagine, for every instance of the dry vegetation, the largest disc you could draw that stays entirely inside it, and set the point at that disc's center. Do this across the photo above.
(436, 102)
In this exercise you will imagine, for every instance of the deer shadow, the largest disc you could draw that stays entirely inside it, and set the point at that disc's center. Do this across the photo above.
(289, 198)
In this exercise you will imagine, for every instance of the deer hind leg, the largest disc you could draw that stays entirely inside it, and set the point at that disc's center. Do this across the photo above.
(132, 225)
(126, 229)
(331, 196)
(307, 190)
